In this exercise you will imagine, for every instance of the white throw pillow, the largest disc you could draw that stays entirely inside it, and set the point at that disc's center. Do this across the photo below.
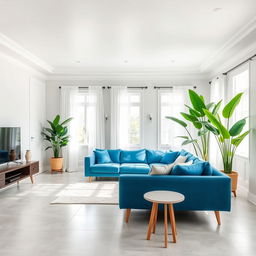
(186, 163)
(180, 160)
(161, 169)
(167, 168)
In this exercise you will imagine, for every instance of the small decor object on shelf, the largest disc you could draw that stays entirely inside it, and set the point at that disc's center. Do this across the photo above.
(12, 155)
(57, 136)
(28, 156)
(228, 137)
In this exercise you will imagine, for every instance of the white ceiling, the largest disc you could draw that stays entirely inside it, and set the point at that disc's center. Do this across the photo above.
(124, 34)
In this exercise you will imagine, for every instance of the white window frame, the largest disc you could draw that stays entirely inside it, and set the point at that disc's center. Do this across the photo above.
(85, 105)
(141, 105)
(159, 109)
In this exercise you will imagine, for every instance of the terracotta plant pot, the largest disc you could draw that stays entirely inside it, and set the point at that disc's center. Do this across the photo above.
(234, 178)
(57, 164)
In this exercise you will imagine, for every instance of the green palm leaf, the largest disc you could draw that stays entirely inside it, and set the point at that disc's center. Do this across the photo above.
(223, 131)
(230, 107)
(197, 101)
(237, 128)
(182, 123)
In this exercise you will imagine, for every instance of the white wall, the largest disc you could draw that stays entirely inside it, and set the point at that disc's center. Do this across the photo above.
(150, 103)
(252, 151)
(16, 85)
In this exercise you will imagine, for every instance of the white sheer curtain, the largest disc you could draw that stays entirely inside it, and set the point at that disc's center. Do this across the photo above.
(119, 120)
(218, 86)
(171, 103)
(94, 118)
(67, 110)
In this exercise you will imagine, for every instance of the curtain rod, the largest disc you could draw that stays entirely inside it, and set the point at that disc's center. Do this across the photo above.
(238, 65)
(170, 87)
(210, 82)
(86, 87)
(109, 87)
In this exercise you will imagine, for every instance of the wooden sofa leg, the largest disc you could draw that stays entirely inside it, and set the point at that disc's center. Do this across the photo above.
(127, 215)
(217, 214)
(90, 179)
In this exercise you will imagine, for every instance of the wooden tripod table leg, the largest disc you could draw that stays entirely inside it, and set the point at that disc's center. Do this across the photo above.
(151, 221)
(155, 219)
(165, 227)
(173, 223)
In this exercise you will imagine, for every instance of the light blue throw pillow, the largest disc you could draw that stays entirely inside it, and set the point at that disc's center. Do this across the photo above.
(169, 157)
(102, 157)
(113, 153)
(133, 156)
(154, 156)
(194, 169)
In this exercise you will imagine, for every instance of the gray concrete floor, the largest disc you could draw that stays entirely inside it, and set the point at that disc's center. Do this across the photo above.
(30, 225)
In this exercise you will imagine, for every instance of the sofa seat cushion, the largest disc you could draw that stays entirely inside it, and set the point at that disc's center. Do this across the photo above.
(105, 168)
(134, 168)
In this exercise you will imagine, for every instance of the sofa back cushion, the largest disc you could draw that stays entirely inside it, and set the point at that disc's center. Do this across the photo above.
(208, 169)
(102, 157)
(198, 169)
(133, 156)
(169, 157)
(154, 156)
(194, 169)
(114, 155)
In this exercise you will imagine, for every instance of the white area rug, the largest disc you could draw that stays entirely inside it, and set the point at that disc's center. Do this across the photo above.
(89, 193)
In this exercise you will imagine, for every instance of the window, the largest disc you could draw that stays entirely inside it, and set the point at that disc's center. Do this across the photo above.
(134, 117)
(239, 82)
(83, 108)
(170, 103)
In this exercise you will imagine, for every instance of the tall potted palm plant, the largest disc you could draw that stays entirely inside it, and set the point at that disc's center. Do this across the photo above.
(57, 136)
(197, 117)
(228, 136)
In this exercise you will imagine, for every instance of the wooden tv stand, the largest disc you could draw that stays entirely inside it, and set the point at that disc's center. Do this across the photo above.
(17, 172)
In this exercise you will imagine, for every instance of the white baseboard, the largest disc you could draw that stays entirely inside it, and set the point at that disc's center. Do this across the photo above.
(252, 198)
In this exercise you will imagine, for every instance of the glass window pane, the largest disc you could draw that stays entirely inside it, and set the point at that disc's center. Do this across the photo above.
(240, 83)
(134, 126)
(135, 98)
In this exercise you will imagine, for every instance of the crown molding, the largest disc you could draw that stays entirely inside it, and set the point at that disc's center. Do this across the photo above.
(11, 48)
(233, 61)
(241, 34)
(128, 74)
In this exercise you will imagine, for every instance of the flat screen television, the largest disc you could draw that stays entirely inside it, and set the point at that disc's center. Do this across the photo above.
(10, 144)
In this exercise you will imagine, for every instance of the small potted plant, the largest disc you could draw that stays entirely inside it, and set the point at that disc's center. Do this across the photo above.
(57, 136)
(228, 136)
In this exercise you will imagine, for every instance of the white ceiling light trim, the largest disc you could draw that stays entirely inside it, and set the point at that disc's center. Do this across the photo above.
(14, 48)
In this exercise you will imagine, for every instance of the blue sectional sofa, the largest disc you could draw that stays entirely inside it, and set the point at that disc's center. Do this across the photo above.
(204, 187)
(125, 162)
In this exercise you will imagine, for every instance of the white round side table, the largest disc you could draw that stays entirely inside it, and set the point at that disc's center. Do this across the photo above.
(167, 198)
